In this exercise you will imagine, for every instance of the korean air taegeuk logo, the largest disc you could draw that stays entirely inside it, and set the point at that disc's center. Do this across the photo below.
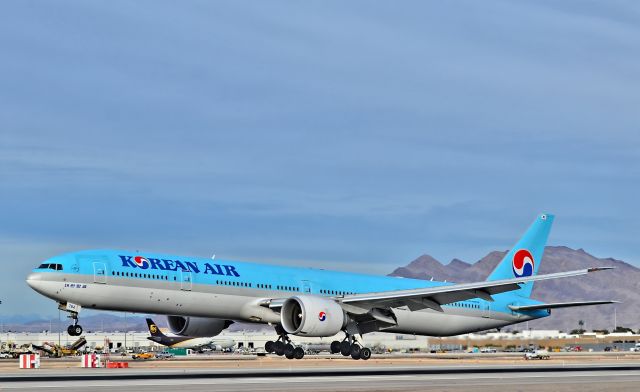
(523, 263)
(141, 262)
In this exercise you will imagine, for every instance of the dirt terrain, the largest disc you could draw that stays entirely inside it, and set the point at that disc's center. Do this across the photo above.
(253, 362)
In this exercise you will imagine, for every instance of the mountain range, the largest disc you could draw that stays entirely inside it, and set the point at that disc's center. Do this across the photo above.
(621, 284)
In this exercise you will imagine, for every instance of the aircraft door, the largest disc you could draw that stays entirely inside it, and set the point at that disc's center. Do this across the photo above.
(185, 280)
(486, 309)
(306, 287)
(99, 272)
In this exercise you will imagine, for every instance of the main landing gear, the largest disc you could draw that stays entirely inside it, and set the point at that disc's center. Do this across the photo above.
(350, 347)
(75, 329)
(283, 346)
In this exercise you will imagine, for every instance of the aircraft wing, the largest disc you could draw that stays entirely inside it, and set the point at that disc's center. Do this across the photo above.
(434, 297)
(559, 305)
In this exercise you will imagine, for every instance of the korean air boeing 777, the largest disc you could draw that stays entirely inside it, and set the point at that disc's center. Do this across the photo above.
(201, 297)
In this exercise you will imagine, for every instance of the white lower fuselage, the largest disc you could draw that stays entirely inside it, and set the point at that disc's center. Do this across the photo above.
(240, 304)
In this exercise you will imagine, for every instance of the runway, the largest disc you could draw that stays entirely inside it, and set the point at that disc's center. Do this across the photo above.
(622, 377)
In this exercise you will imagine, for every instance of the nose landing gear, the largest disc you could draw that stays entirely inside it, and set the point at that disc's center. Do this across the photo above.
(75, 329)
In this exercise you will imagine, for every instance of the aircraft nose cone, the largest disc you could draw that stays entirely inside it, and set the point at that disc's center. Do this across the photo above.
(41, 283)
(34, 280)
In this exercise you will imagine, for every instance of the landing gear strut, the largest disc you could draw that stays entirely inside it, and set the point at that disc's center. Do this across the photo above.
(75, 329)
(350, 347)
(283, 346)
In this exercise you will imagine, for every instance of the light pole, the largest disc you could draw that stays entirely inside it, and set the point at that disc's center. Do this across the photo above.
(125, 332)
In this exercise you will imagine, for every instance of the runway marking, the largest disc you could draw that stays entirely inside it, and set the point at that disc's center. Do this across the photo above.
(471, 379)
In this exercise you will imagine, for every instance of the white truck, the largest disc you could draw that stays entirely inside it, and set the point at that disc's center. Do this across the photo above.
(537, 354)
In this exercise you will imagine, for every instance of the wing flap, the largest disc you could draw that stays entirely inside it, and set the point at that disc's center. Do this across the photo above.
(556, 305)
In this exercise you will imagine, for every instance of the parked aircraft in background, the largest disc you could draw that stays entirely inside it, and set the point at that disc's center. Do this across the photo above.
(202, 296)
(179, 341)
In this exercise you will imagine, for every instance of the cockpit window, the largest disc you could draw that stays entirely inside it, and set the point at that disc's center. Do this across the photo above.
(55, 267)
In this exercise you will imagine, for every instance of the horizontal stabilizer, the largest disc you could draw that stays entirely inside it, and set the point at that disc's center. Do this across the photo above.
(559, 305)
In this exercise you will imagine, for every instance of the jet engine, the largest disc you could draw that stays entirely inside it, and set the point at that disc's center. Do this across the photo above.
(197, 327)
(312, 316)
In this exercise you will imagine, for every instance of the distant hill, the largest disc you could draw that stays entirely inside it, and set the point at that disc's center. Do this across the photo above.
(102, 321)
(105, 322)
(622, 284)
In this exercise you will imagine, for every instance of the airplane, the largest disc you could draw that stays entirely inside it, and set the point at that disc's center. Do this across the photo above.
(202, 296)
(178, 341)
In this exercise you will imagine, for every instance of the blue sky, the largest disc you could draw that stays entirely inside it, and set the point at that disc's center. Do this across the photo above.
(351, 135)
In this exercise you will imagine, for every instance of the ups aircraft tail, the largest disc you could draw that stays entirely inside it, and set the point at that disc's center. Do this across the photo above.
(524, 258)
(154, 330)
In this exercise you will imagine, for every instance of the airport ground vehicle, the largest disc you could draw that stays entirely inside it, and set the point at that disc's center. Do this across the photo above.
(5, 355)
(537, 354)
(56, 351)
(143, 356)
(202, 297)
(164, 355)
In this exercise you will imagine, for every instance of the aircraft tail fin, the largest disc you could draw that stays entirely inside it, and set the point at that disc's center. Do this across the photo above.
(524, 258)
(154, 330)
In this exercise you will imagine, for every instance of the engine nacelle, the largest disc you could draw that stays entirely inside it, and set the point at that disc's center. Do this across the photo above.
(198, 327)
(312, 316)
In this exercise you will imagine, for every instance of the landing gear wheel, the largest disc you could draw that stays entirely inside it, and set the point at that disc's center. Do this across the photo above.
(269, 346)
(71, 330)
(355, 351)
(345, 348)
(365, 353)
(77, 330)
(288, 350)
(278, 348)
(298, 353)
(335, 347)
